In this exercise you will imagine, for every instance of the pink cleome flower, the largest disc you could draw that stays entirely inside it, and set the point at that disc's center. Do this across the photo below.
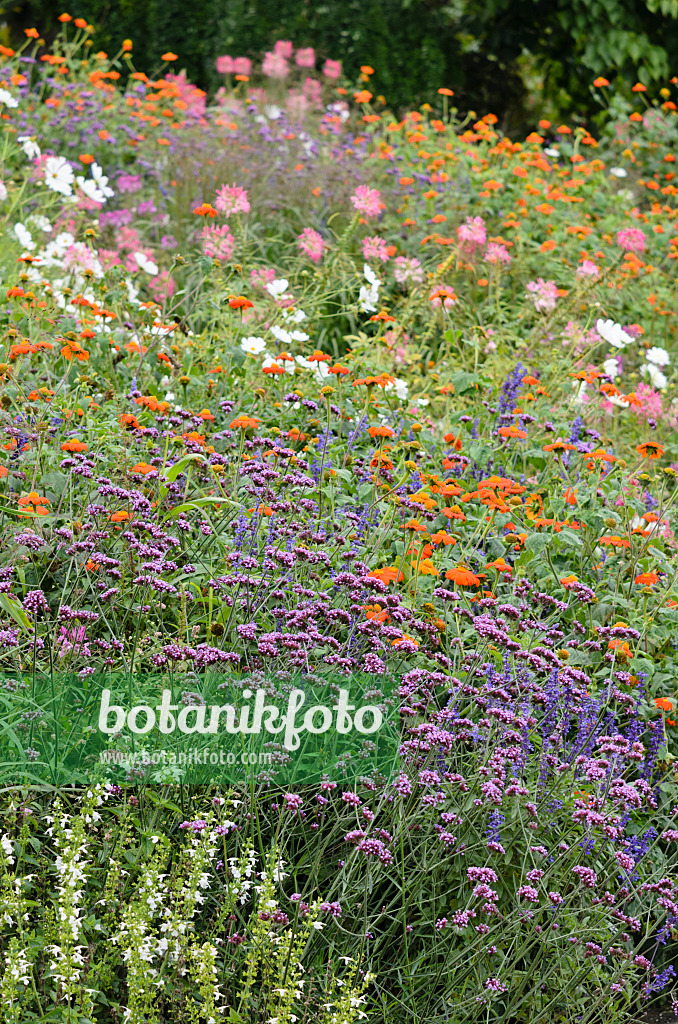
(332, 69)
(232, 199)
(311, 243)
(543, 294)
(367, 200)
(631, 240)
(305, 58)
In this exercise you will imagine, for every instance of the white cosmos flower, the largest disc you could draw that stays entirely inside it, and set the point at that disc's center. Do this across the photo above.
(400, 387)
(320, 370)
(294, 315)
(618, 172)
(616, 400)
(101, 180)
(24, 236)
(369, 296)
(658, 356)
(581, 393)
(90, 189)
(657, 378)
(253, 345)
(59, 176)
(299, 336)
(611, 367)
(551, 151)
(144, 263)
(3, 191)
(370, 276)
(277, 286)
(281, 334)
(29, 146)
(613, 333)
(7, 99)
(40, 222)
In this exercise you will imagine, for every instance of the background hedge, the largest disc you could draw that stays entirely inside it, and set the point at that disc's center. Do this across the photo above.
(496, 54)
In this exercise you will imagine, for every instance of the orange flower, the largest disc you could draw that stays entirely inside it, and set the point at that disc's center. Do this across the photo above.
(512, 431)
(650, 450)
(381, 381)
(381, 432)
(376, 613)
(143, 469)
(205, 210)
(169, 56)
(663, 703)
(500, 565)
(442, 537)
(206, 415)
(36, 501)
(615, 542)
(569, 581)
(415, 525)
(74, 350)
(129, 421)
(647, 579)
(239, 302)
(243, 422)
(600, 82)
(382, 316)
(600, 456)
(119, 517)
(338, 369)
(559, 446)
(389, 574)
(318, 357)
(463, 577)
(74, 446)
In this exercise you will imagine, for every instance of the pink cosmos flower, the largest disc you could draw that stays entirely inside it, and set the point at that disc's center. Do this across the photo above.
(305, 58)
(588, 268)
(217, 243)
(274, 65)
(497, 253)
(311, 244)
(242, 66)
(543, 294)
(366, 200)
(631, 240)
(375, 248)
(283, 48)
(232, 199)
(471, 235)
(129, 183)
(332, 69)
(408, 269)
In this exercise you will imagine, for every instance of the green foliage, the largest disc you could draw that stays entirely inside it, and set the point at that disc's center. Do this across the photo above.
(476, 47)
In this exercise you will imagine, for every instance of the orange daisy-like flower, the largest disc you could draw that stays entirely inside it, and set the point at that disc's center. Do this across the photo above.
(462, 577)
(381, 381)
(143, 469)
(650, 450)
(239, 302)
(205, 210)
(512, 431)
(600, 456)
(415, 525)
(74, 350)
(559, 446)
(129, 421)
(37, 501)
(382, 315)
(74, 446)
(389, 574)
(615, 542)
(442, 537)
(500, 565)
(381, 432)
(647, 579)
(338, 369)
(319, 357)
(243, 422)
(663, 703)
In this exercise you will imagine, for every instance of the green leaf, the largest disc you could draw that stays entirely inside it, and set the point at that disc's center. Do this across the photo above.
(13, 608)
(537, 542)
(464, 381)
(178, 467)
